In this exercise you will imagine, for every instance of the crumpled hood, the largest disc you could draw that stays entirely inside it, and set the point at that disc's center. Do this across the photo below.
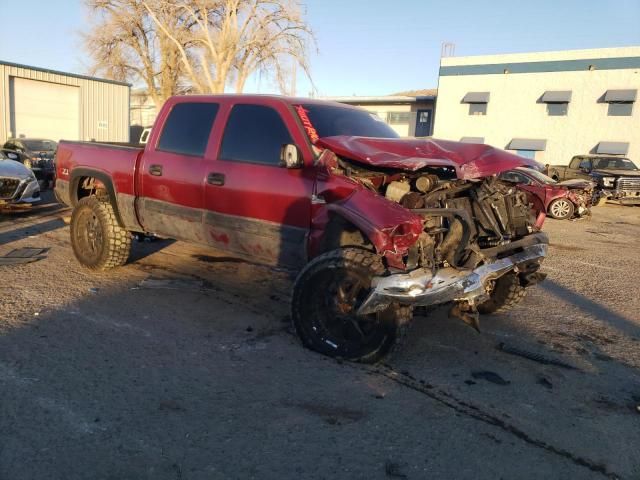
(617, 172)
(468, 159)
(13, 169)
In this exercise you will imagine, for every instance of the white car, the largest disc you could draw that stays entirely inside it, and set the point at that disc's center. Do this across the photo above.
(18, 184)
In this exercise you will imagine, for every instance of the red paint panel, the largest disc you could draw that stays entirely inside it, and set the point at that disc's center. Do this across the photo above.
(118, 163)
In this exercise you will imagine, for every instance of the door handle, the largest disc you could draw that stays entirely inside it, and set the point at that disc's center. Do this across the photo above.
(215, 179)
(155, 170)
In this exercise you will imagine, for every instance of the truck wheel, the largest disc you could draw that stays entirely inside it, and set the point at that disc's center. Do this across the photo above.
(561, 209)
(506, 292)
(98, 241)
(602, 201)
(326, 296)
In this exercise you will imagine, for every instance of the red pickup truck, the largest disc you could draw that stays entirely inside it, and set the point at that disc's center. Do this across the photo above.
(375, 224)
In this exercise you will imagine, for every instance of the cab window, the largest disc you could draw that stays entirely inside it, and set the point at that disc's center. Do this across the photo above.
(187, 128)
(254, 134)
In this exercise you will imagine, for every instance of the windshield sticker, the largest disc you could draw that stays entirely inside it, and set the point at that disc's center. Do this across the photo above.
(306, 123)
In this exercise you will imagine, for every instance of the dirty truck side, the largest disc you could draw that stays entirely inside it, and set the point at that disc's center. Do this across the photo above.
(376, 225)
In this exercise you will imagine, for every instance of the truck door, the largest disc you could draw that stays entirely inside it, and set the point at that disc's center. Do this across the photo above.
(172, 172)
(256, 207)
(580, 167)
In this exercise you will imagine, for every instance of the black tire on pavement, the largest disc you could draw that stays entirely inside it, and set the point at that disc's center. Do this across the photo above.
(326, 295)
(98, 241)
(506, 293)
(601, 201)
(561, 209)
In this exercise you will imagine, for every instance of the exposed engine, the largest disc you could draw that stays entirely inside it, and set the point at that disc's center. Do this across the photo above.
(461, 217)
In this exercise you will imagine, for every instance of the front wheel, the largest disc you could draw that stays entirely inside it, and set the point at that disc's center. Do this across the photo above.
(561, 209)
(505, 293)
(98, 241)
(326, 296)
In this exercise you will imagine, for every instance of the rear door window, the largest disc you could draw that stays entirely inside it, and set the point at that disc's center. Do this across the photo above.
(187, 128)
(254, 134)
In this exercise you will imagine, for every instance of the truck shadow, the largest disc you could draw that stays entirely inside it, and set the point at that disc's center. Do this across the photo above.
(604, 314)
(29, 230)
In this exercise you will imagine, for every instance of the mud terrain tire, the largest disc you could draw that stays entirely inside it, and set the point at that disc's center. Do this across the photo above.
(324, 315)
(98, 241)
(507, 292)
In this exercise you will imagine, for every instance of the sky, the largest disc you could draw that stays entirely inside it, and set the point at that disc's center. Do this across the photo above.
(365, 47)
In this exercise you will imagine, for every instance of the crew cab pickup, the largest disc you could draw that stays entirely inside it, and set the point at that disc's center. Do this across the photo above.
(374, 224)
(616, 178)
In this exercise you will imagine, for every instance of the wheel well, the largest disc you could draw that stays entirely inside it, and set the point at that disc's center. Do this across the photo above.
(88, 183)
(341, 233)
(87, 186)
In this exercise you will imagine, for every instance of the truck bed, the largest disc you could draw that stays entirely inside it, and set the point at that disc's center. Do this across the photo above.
(118, 163)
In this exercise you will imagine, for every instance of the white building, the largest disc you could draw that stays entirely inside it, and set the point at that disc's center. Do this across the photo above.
(547, 105)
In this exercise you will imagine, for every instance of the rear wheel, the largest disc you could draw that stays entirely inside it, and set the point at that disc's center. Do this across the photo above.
(506, 292)
(561, 209)
(98, 241)
(326, 296)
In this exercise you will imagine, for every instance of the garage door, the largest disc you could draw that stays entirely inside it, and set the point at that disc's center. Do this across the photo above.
(45, 110)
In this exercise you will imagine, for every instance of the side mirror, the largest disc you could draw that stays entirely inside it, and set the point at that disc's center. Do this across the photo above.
(290, 156)
(12, 156)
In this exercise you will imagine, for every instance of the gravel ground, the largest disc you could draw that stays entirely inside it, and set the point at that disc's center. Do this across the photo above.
(182, 365)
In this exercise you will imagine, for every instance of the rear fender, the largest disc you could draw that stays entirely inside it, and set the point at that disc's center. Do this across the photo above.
(78, 174)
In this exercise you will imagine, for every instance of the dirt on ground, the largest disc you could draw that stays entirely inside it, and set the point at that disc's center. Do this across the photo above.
(183, 365)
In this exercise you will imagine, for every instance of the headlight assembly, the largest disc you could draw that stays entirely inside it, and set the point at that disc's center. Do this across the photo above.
(608, 181)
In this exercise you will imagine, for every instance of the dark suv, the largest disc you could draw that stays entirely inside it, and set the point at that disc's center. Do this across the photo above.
(36, 154)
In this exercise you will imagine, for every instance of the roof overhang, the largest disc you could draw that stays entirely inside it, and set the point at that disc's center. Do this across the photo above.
(536, 144)
(472, 139)
(559, 96)
(613, 148)
(476, 97)
(381, 100)
(620, 95)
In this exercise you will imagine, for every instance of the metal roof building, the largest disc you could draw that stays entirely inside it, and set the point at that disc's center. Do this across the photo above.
(40, 103)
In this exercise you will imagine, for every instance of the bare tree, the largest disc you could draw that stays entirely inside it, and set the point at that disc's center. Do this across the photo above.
(125, 44)
(229, 40)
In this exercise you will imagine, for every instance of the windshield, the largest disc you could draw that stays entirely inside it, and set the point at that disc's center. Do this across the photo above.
(613, 163)
(40, 145)
(539, 176)
(328, 121)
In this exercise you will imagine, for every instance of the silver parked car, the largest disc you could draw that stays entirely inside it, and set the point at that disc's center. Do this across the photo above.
(18, 184)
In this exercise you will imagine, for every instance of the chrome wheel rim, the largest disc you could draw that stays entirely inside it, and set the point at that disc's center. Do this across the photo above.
(561, 208)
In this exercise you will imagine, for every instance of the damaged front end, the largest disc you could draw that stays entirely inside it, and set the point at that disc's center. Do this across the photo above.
(465, 233)
(581, 193)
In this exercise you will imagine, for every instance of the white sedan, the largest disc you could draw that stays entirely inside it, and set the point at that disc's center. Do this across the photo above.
(18, 184)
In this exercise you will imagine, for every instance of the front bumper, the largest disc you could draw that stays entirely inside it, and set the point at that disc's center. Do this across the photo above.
(421, 287)
(28, 191)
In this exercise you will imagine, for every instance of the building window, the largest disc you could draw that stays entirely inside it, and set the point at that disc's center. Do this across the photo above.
(620, 109)
(398, 118)
(477, 109)
(557, 109)
(531, 154)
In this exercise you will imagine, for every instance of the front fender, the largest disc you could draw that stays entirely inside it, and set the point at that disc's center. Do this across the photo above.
(390, 228)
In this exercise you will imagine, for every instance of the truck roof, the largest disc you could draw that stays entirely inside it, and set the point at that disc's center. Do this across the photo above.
(259, 97)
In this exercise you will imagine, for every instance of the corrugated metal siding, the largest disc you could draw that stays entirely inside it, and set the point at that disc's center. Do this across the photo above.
(100, 103)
